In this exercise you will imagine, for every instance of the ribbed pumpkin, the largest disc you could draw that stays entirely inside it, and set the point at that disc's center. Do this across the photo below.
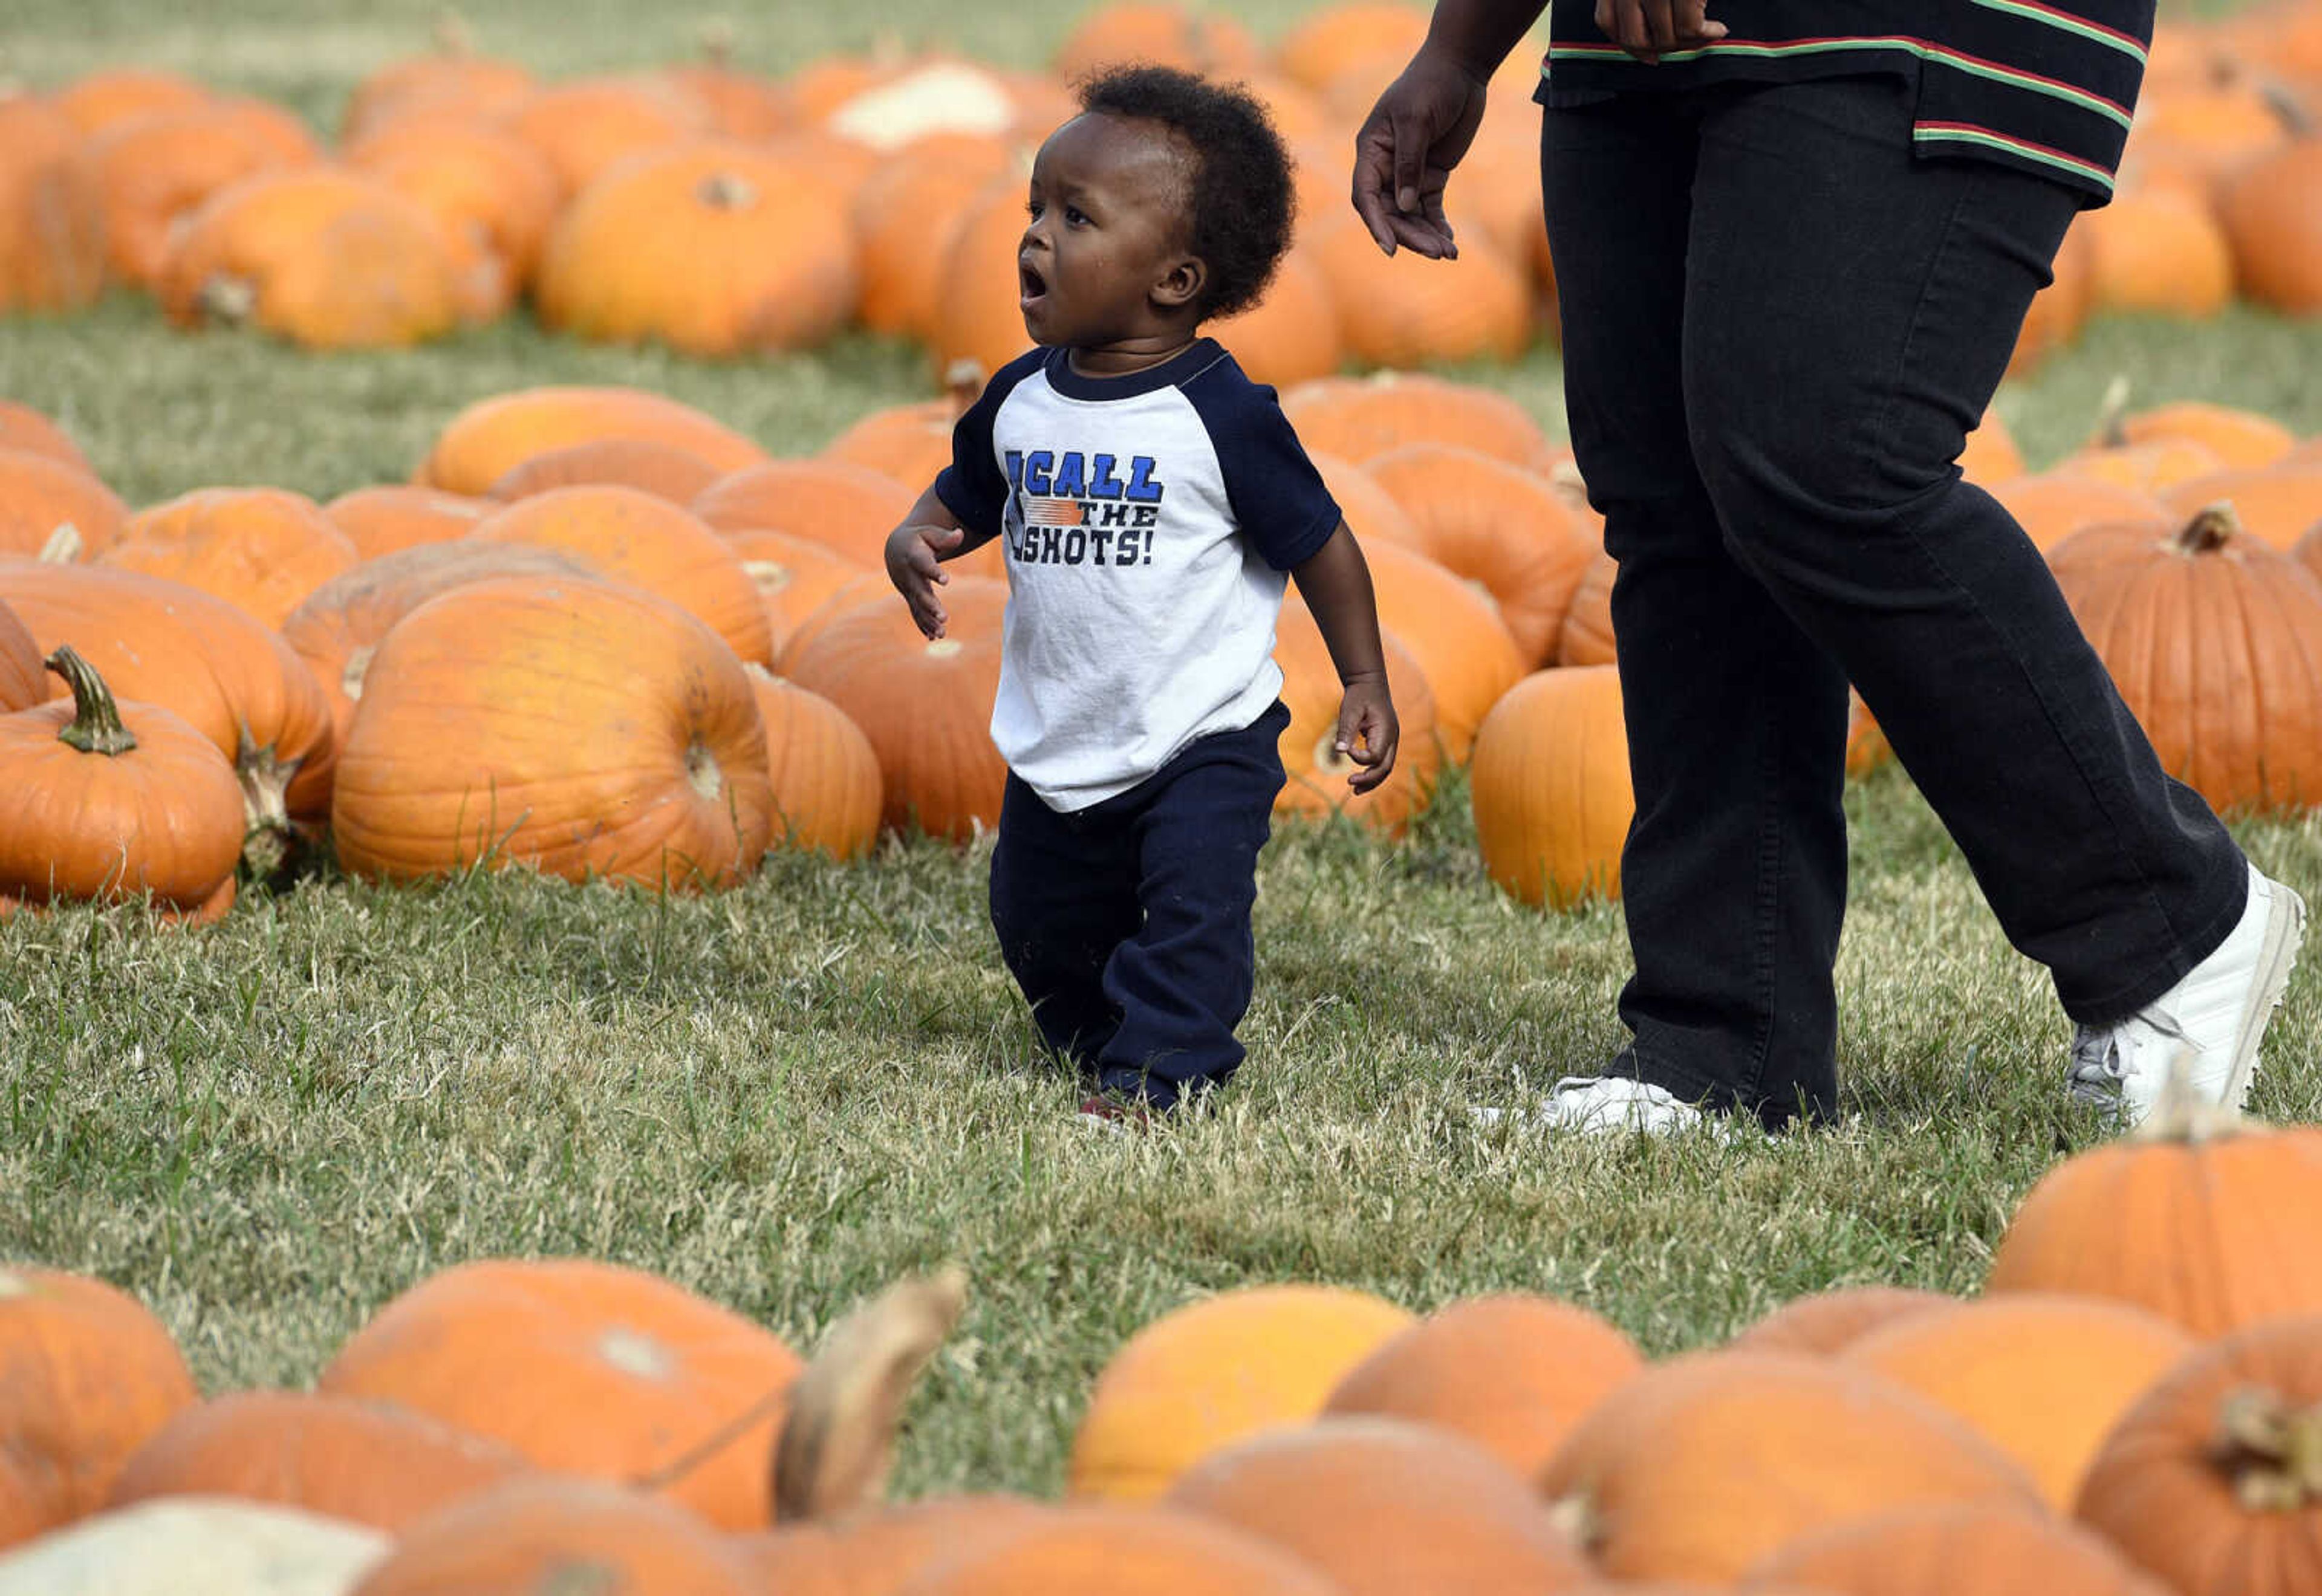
(873, 1553)
(1292, 333)
(2160, 251)
(793, 576)
(116, 803)
(51, 229)
(1370, 511)
(1315, 772)
(632, 536)
(1383, 1507)
(2215, 639)
(1650, 1474)
(1511, 1373)
(859, 589)
(1217, 1372)
(1403, 310)
(1940, 1551)
(24, 428)
(474, 180)
(1165, 34)
(40, 493)
(586, 729)
(1494, 524)
(1549, 782)
(663, 469)
(585, 1368)
(908, 443)
(492, 436)
(90, 1375)
(926, 704)
(96, 100)
(2211, 1480)
(826, 777)
(1826, 1323)
(2043, 1376)
(452, 77)
(1325, 43)
(337, 629)
(261, 549)
(392, 516)
(1586, 637)
(327, 258)
(845, 507)
(2153, 467)
(366, 1463)
(2243, 440)
(2273, 214)
(2052, 506)
(586, 125)
(1454, 634)
(904, 211)
(979, 315)
(2233, 1204)
(146, 172)
(1121, 1552)
(713, 248)
(22, 682)
(2278, 504)
(556, 1536)
(219, 668)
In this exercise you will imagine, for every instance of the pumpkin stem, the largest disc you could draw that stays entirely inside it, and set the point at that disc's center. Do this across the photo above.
(2272, 1453)
(264, 779)
(454, 35)
(228, 299)
(2182, 1116)
(95, 726)
(2211, 529)
(1578, 1518)
(962, 380)
(727, 191)
(2112, 412)
(64, 545)
(840, 1439)
(717, 36)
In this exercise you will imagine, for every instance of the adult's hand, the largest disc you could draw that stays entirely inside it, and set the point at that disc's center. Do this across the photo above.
(1404, 155)
(1646, 28)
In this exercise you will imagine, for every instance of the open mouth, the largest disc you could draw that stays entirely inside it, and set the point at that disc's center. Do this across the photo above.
(1029, 284)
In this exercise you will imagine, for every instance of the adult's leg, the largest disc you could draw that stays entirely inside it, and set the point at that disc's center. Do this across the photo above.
(1064, 895)
(1733, 878)
(1848, 311)
(1182, 983)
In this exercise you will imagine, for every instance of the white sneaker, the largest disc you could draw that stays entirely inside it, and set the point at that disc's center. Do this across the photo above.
(1598, 1105)
(2212, 1019)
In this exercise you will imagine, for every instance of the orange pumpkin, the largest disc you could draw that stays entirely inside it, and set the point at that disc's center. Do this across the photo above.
(2273, 214)
(1586, 637)
(1936, 1551)
(392, 516)
(1121, 1552)
(1550, 783)
(1990, 454)
(1159, 32)
(2160, 251)
(1216, 1371)
(90, 1375)
(147, 172)
(1498, 524)
(908, 443)
(857, 587)
(2153, 467)
(740, 105)
(1315, 772)
(550, 1535)
(585, 1368)
(327, 258)
(1403, 310)
(1323, 44)
(2058, 311)
(2241, 439)
(2215, 639)
(22, 683)
(478, 182)
(2043, 1376)
(1511, 1373)
(338, 627)
(1382, 1506)
(1453, 633)
(492, 436)
(978, 311)
(40, 495)
(794, 576)
(1826, 1323)
(586, 729)
(1292, 333)
(2054, 504)
(925, 704)
(713, 248)
(96, 100)
(51, 229)
(663, 469)
(1370, 511)
(2278, 504)
(911, 201)
(2209, 1482)
(2244, 1238)
(451, 76)
(1649, 1474)
(585, 126)
(365, 1462)
(848, 508)
(219, 668)
(825, 776)
(877, 1552)
(632, 536)
(260, 549)
(26, 429)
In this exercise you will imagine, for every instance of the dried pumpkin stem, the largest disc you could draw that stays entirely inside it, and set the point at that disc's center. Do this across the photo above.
(2182, 1116)
(95, 726)
(2211, 530)
(2272, 1452)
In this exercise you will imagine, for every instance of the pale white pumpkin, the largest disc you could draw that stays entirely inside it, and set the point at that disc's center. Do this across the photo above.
(195, 1546)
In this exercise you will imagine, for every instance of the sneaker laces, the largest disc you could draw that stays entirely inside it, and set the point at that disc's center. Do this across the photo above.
(2101, 1067)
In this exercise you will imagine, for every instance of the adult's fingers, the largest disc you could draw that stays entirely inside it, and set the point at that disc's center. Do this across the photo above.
(1374, 175)
(1660, 23)
(1413, 133)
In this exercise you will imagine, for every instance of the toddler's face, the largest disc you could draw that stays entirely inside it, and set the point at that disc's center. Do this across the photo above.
(1109, 205)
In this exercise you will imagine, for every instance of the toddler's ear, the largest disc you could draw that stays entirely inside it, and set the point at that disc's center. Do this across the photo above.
(1182, 283)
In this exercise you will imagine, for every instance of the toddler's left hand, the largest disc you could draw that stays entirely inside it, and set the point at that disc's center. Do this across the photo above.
(1367, 730)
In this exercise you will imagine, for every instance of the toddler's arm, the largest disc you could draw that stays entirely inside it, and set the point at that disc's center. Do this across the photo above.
(1336, 583)
(929, 534)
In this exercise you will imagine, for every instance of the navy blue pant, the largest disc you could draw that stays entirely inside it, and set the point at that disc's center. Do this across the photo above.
(1779, 328)
(1127, 924)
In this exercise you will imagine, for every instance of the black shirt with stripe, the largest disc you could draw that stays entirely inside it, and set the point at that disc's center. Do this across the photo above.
(2047, 87)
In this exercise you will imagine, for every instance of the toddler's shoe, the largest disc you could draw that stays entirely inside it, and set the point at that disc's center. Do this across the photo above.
(2213, 1019)
(1602, 1105)
(1115, 1113)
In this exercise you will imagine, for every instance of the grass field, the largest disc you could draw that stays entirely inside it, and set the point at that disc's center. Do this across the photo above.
(785, 1095)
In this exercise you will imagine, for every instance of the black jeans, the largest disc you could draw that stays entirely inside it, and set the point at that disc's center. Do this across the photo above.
(1779, 328)
(1127, 924)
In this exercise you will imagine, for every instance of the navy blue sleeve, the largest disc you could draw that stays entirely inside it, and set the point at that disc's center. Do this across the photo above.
(973, 486)
(1279, 500)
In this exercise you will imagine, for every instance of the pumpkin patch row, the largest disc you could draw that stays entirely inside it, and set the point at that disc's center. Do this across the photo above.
(2103, 1420)
(724, 212)
(603, 634)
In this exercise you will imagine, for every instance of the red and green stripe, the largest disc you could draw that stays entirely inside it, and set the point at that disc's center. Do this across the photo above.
(1968, 132)
(2126, 43)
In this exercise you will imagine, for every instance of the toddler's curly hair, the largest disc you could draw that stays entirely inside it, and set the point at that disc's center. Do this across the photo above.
(1243, 198)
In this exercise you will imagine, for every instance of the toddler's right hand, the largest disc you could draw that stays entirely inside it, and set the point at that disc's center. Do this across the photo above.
(915, 553)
